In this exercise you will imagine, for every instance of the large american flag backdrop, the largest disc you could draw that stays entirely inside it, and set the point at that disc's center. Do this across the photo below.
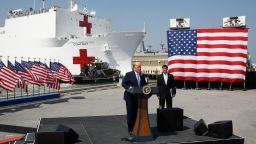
(208, 54)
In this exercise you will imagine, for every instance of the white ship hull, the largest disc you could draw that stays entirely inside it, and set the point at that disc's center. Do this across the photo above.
(116, 48)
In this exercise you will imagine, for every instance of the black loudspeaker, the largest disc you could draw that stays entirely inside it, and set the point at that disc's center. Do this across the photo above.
(200, 128)
(70, 134)
(221, 129)
(50, 138)
(19, 142)
(169, 119)
(62, 135)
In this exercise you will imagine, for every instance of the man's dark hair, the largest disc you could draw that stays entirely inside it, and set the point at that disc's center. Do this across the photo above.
(165, 66)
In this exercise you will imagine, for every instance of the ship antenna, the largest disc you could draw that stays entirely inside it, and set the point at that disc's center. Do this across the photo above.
(144, 27)
(34, 4)
(43, 1)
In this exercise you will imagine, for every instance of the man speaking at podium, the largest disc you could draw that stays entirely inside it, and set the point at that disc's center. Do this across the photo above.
(132, 79)
(167, 90)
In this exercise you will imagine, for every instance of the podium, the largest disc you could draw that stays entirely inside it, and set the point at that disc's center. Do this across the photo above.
(141, 130)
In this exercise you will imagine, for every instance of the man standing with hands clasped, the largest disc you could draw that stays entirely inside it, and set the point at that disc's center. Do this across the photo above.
(132, 79)
(166, 87)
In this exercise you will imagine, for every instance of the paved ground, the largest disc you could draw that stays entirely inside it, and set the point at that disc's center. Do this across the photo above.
(211, 105)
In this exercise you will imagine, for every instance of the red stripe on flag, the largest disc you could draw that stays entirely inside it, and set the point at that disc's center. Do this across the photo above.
(223, 38)
(228, 46)
(207, 70)
(222, 54)
(222, 62)
(187, 78)
(218, 30)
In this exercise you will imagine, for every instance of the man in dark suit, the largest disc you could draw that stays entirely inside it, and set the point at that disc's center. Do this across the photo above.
(132, 79)
(166, 86)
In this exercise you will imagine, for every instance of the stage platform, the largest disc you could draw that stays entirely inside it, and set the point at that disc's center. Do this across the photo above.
(111, 130)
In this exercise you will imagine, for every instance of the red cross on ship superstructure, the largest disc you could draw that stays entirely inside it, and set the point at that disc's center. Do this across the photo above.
(83, 59)
(86, 24)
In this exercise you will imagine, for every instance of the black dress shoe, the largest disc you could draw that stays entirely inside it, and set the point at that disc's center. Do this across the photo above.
(130, 133)
(130, 139)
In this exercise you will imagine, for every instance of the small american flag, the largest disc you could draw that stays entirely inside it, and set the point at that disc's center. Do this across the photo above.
(22, 70)
(208, 54)
(44, 74)
(9, 79)
(21, 82)
(28, 67)
(61, 72)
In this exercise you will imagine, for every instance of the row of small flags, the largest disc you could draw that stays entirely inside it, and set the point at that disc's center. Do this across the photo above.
(20, 74)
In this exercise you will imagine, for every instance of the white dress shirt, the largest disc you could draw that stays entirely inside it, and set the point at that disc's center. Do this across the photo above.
(165, 77)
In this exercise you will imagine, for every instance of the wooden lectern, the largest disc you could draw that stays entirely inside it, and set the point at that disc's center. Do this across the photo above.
(141, 130)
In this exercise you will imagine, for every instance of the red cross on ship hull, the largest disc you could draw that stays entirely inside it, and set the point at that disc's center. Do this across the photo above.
(83, 59)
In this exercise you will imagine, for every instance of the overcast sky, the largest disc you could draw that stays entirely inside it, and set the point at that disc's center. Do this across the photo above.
(129, 15)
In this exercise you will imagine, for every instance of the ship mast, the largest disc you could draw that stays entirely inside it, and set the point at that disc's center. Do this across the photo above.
(43, 3)
(34, 4)
(73, 5)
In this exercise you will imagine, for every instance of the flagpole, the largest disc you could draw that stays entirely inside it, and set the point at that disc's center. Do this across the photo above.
(53, 87)
(14, 93)
(44, 85)
(33, 89)
(39, 85)
(28, 60)
(209, 85)
(7, 95)
(244, 87)
(21, 92)
(184, 85)
(230, 86)
(221, 86)
(197, 87)
(24, 82)
(57, 80)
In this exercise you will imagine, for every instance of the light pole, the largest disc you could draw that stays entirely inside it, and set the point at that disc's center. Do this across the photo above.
(162, 46)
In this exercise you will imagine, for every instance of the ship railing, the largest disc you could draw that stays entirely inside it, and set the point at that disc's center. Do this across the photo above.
(26, 13)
